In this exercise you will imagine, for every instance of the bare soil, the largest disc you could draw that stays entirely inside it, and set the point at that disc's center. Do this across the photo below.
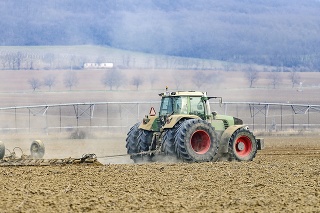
(285, 177)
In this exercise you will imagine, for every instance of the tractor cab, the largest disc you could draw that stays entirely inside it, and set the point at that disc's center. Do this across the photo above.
(183, 103)
(176, 106)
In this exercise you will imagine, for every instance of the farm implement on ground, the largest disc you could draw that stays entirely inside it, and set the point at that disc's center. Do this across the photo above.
(37, 151)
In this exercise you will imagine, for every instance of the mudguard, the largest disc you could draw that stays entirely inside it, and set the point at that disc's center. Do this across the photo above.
(225, 137)
(149, 123)
(173, 119)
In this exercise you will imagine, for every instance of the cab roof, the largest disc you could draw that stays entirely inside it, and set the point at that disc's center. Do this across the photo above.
(183, 93)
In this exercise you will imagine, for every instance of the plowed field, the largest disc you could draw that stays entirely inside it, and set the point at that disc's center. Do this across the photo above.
(285, 177)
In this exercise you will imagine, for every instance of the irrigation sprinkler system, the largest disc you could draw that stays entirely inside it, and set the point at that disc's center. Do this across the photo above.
(120, 115)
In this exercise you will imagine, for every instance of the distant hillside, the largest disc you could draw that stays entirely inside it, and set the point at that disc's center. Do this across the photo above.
(273, 32)
(74, 57)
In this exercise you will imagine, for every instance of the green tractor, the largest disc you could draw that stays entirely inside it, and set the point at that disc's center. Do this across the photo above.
(186, 130)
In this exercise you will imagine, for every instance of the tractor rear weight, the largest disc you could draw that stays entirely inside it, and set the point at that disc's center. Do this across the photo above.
(185, 129)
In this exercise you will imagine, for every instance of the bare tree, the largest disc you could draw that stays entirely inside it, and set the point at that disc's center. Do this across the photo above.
(11, 60)
(49, 81)
(72, 61)
(30, 59)
(294, 77)
(152, 79)
(200, 78)
(228, 66)
(137, 81)
(49, 58)
(4, 60)
(113, 78)
(252, 76)
(19, 57)
(71, 80)
(34, 83)
(275, 79)
(126, 61)
(177, 80)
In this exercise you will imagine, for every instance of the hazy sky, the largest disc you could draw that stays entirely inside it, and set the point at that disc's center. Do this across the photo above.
(227, 30)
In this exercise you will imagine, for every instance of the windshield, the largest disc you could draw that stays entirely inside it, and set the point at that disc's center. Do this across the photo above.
(197, 107)
(174, 105)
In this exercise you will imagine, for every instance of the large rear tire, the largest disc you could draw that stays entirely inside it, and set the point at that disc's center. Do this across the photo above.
(243, 145)
(132, 142)
(196, 141)
(168, 145)
(2, 150)
(145, 144)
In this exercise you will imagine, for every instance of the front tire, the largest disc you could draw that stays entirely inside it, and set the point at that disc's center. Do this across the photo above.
(243, 145)
(196, 141)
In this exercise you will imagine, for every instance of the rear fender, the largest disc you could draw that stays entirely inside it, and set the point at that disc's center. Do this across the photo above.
(150, 123)
(225, 137)
(173, 119)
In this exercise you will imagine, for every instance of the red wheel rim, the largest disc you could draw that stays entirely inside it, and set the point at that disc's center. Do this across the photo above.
(200, 142)
(243, 146)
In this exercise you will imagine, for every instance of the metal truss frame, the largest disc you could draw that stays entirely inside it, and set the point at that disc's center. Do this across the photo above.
(86, 110)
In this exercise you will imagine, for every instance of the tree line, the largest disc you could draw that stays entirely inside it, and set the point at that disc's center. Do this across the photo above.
(111, 80)
(47, 60)
(114, 78)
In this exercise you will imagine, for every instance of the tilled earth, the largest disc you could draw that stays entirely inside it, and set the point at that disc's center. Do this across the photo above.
(285, 177)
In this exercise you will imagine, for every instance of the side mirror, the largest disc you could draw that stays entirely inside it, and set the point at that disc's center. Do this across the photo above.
(214, 113)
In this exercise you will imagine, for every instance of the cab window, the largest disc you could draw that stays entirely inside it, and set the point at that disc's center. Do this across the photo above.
(181, 105)
(174, 105)
(197, 107)
(166, 106)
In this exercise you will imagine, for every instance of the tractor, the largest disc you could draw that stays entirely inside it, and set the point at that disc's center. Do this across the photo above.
(186, 130)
